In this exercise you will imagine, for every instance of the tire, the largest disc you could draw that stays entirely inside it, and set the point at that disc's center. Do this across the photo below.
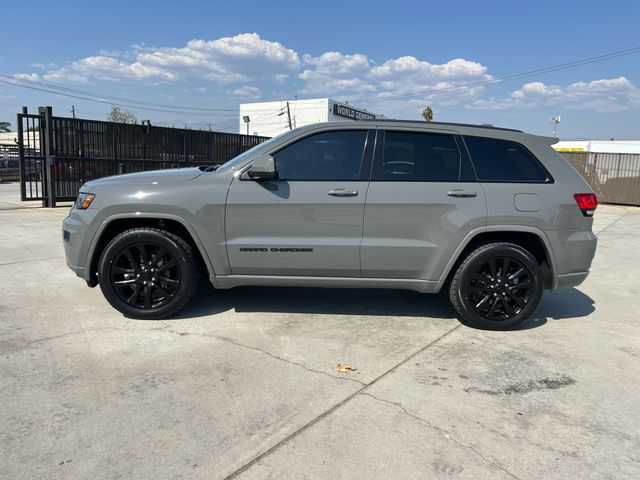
(498, 286)
(147, 273)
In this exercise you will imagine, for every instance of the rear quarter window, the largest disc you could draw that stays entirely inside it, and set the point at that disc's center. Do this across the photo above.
(497, 160)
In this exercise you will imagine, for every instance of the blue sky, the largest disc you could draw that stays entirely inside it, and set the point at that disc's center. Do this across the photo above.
(216, 55)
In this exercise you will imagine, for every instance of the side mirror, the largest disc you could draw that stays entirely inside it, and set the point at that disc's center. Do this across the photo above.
(262, 168)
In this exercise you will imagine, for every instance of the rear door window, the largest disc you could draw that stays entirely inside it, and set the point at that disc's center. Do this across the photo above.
(497, 160)
(419, 157)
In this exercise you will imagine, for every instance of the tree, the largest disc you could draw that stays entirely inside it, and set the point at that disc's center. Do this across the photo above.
(119, 115)
(5, 127)
(427, 114)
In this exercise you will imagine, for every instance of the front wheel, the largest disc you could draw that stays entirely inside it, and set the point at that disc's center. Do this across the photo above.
(498, 286)
(147, 273)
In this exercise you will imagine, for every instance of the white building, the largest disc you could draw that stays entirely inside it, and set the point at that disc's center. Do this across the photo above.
(273, 118)
(599, 146)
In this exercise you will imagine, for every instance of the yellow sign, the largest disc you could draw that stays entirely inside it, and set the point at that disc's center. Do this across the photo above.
(570, 149)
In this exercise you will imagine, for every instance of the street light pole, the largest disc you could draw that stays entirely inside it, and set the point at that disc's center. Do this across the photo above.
(246, 120)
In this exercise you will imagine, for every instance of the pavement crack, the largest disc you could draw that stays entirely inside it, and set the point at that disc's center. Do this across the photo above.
(600, 232)
(25, 346)
(291, 362)
(30, 260)
(442, 432)
(335, 407)
(168, 329)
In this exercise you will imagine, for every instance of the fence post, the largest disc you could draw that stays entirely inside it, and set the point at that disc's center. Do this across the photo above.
(185, 146)
(49, 158)
(23, 179)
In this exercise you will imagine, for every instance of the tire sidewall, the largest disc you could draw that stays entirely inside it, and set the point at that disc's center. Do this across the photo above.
(470, 316)
(144, 236)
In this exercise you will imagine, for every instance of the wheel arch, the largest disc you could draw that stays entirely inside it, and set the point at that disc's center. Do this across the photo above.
(117, 224)
(532, 239)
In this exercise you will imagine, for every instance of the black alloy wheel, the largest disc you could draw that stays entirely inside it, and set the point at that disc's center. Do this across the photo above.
(498, 286)
(147, 273)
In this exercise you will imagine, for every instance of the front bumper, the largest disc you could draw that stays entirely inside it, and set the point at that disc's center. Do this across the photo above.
(76, 239)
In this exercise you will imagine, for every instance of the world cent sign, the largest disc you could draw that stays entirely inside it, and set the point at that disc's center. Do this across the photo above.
(352, 113)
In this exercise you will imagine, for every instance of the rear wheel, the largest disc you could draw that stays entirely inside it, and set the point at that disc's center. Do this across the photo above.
(498, 286)
(147, 273)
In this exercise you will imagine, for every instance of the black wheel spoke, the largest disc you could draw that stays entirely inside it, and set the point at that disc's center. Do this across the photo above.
(147, 297)
(519, 301)
(483, 301)
(166, 266)
(131, 258)
(493, 308)
(479, 278)
(133, 298)
(493, 268)
(158, 256)
(516, 274)
(520, 285)
(164, 292)
(122, 270)
(168, 280)
(507, 307)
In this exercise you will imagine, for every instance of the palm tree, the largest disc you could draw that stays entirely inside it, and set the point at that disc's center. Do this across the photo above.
(427, 114)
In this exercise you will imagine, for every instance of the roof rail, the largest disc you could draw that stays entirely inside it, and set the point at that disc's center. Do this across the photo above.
(451, 124)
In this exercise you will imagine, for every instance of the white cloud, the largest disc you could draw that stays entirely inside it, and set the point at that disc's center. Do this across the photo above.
(246, 93)
(609, 95)
(34, 77)
(224, 60)
(356, 75)
(334, 72)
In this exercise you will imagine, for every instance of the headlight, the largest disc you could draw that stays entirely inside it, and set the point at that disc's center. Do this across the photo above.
(84, 200)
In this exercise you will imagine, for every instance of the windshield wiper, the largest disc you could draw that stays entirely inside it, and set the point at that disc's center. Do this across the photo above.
(212, 167)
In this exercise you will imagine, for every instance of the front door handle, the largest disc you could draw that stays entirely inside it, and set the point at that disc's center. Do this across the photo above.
(341, 192)
(462, 193)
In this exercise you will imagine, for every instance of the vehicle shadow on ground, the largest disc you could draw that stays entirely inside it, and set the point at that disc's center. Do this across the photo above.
(561, 304)
(344, 301)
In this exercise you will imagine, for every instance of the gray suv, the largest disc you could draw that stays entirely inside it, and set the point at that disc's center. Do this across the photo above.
(492, 215)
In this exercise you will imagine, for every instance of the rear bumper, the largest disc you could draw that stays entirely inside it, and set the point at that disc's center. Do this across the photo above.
(570, 280)
(573, 252)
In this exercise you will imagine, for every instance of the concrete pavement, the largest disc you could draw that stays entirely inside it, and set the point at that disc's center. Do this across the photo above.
(241, 383)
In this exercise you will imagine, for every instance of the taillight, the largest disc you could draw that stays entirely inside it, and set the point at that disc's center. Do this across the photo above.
(587, 203)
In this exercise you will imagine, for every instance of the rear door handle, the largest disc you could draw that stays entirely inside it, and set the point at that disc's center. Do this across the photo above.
(462, 193)
(341, 192)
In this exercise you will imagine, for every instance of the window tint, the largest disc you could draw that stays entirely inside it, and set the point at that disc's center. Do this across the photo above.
(324, 156)
(420, 157)
(504, 161)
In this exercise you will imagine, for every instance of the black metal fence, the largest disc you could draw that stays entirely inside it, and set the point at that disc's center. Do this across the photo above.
(58, 154)
(615, 177)
(9, 162)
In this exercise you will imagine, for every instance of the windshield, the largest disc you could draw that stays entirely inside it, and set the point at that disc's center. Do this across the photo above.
(238, 161)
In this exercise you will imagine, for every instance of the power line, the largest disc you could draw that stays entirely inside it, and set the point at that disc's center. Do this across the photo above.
(59, 88)
(115, 103)
(554, 68)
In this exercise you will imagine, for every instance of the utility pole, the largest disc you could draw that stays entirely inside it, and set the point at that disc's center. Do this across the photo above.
(73, 111)
(289, 116)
